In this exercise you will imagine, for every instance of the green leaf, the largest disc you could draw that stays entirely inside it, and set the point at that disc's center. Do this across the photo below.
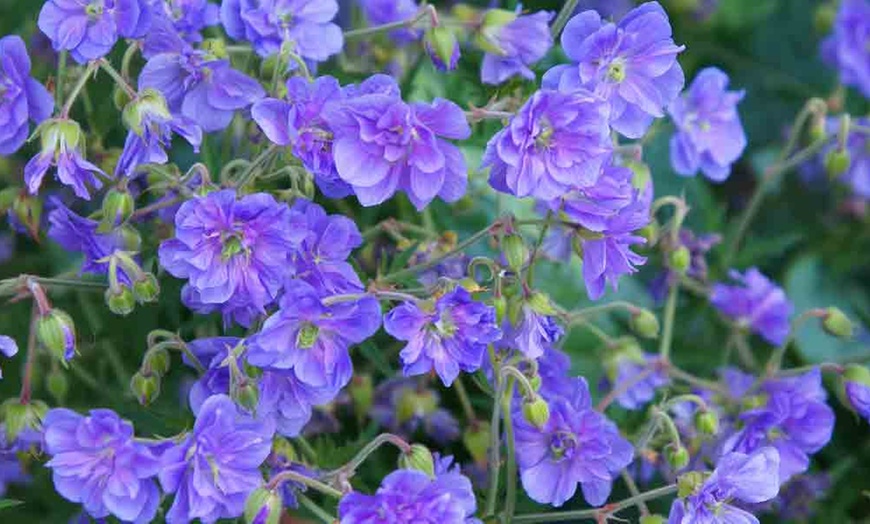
(9, 503)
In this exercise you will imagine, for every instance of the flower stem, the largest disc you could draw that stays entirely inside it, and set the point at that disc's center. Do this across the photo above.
(27, 380)
(533, 257)
(157, 206)
(511, 466)
(679, 374)
(116, 76)
(495, 447)
(563, 17)
(621, 388)
(775, 361)
(464, 399)
(596, 513)
(251, 173)
(632, 488)
(295, 476)
(401, 24)
(77, 89)
(312, 506)
(371, 447)
(61, 75)
(668, 328)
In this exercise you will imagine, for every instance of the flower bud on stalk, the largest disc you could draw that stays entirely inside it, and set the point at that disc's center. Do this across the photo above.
(145, 387)
(707, 422)
(681, 259)
(56, 331)
(536, 411)
(678, 457)
(442, 47)
(264, 506)
(645, 324)
(837, 324)
(117, 208)
(419, 458)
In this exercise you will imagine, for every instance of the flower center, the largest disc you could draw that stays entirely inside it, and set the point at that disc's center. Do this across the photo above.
(562, 445)
(233, 245)
(545, 136)
(445, 325)
(307, 336)
(616, 71)
(95, 10)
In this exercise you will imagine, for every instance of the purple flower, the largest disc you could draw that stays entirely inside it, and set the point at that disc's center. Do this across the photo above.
(380, 12)
(7, 247)
(756, 303)
(151, 128)
(79, 235)
(533, 333)
(62, 143)
(28, 442)
(96, 462)
(313, 337)
(633, 65)
(449, 335)
(199, 87)
(22, 99)
(8, 347)
(856, 387)
(406, 406)
(232, 251)
(214, 469)
(88, 29)
(577, 445)
(383, 144)
(846, 48)
(413, 496)
(748, 478)
(303, 25)
(186, 17)
(709, 135)
(626, 369)
(514, 46)
(792, 417)
(299, 122)
(555, 143)
(798, 498)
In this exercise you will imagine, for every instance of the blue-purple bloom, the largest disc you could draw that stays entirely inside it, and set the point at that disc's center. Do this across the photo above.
(846, 48)
(792, 416)
(380, 12)
(214, 469)
(88, 29)
(62, 147)
(383, 144)
(533, 333)
(514, 46)
(748, 478)
(406, 406)
(233, 252)
(709, 135)
(626, 369)
(755, 303)
(8, 347)
(299, 122)
(97, 463)
(577, 445)
(22, 99)
(633, 65)
(186, 17)
(555, 143)
(413, 496)
(313, 337)
(856, 387)
(304, 25)
(449, 335)
(12, 471)
(200, 87)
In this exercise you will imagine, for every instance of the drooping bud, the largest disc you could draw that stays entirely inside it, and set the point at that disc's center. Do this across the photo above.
(60, 133)
(678, 457)
(57, 385)
(515, 251)
(707, 422)
(246, 394)
(146, 288)
(680, 259)
(442, 47)
(837, 324)
(120, 301)
(118, 206)
(652, 519)
(650, 233)
(157, 360)
(536, 411)
(145, 387)
(56, 331)
(148, 106)
(858, 374)
(476, 439)
(19, 416)
(418, 458)
(263, 506)
(645, 324)
(837, 162)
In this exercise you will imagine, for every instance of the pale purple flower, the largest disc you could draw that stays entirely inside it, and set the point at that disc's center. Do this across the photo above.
(449, 335)
(555, 143)
(633, 65)
(62, 148)
(306, 26)
(383, 144)
(186, 17)
(519, 44)
(406, 406)
(533, 333)
(89, 29)
(22, 99)
(380, 12)
(215, 467)
(709, 135)
(96, 462)
(756, 303)
(846, 48)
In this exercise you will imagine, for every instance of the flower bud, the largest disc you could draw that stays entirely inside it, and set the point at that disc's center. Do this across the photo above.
(118, 206)
(681, 259)
(491, 25)
(120, 301)
(263, 507)
(536, 411)
(499, 303)
(515, 251)
(837, 324)
(652, 519)
(56, 331)
(59, 133)
(540, 303)
(120, 98)
(246, 394)
(476, 439)
(650, 233)
(57, 385)
(837, 162)
(361, 392)
(157, 360)
(689, 483)
(149, 105)
(442, 47)
(678, 457)
(707, 422)
(19, 416)
(858, 374)
(535, 382)
(145, 387)
(418, 458)
(645, 324)
(146, 288)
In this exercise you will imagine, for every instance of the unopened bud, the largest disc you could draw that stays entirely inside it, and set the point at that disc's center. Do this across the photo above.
(681, 259)
(837, 162)
(837, 324)
(678, 457)
(515, 251)
(146, 288)
(858, 374)
(263, 506)
(500, 305)
(536, 411)
(157, 360)
(246, 394)
(418, 458)
(57, 385)
(120, 301)
(707, 422)
(145, 387)
(442, 47)
(645, 324)
(650, 232)
(118, 206)
(652, 519)
(56, 331)
(476, 439)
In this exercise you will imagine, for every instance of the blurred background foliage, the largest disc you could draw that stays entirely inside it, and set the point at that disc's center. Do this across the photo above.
(805, 238)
